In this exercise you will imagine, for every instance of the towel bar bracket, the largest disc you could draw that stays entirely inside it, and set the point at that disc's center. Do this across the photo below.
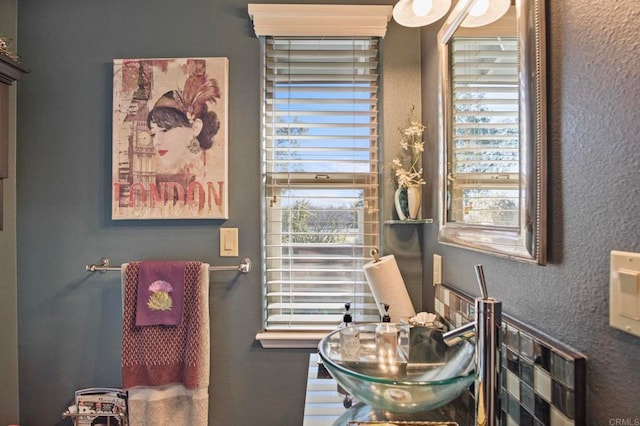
(245, 265)
(103, 266)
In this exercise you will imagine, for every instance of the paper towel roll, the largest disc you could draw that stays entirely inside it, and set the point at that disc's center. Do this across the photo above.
(388, 287)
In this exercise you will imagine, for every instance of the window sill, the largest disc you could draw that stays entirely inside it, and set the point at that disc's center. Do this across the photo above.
(290, 339)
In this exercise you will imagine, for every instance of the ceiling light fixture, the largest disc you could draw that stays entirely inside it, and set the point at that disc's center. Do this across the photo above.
(484, 12)
(418, 13)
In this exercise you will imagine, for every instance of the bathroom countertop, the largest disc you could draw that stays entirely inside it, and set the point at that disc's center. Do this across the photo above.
(326, 406)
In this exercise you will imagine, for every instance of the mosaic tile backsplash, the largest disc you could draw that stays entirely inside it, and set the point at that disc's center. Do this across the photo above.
(543, 380)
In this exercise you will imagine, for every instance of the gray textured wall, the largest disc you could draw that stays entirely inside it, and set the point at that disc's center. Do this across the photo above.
(594, 198)
(69, 320)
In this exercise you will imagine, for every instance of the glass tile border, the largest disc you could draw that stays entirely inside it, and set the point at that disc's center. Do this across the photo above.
(535, 361)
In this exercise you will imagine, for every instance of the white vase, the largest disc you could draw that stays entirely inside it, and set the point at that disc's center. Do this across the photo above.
(401, 203)
(414, 196)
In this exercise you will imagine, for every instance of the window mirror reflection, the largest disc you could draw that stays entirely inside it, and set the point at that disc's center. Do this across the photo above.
(484, 154)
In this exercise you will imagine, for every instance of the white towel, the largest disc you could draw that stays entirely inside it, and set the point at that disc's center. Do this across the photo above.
(173, 404)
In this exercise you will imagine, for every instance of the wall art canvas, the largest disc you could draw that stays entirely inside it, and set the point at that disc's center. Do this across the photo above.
(170, 143)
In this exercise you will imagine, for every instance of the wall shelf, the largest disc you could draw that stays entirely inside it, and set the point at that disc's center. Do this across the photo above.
(10, 70)
(407, 221)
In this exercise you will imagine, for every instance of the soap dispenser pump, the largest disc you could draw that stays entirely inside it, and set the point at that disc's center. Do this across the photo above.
(386, 317)
(347, 319)
(349, 335)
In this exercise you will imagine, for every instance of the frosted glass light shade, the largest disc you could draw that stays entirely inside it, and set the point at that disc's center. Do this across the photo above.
(421, 7)
(404, 15)
(497, 9)
(479, 8)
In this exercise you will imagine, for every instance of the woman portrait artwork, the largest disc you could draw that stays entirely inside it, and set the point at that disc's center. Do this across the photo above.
(170, 139)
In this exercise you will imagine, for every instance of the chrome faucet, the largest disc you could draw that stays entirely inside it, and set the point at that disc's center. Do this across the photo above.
(487, 328)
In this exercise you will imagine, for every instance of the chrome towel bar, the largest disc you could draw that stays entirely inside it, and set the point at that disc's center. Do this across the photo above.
(103, 266)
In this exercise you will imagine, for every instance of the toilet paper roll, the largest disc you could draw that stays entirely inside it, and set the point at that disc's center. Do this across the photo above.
(388, 287)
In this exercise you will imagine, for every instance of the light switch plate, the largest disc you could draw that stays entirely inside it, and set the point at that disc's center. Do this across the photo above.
(624, 295)
(228, 242)
(437, 269)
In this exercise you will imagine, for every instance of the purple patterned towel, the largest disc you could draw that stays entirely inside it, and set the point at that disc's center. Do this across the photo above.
(161, 355)
(160, 298)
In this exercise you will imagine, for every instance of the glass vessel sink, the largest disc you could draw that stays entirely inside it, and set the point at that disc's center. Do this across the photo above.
(420, 374)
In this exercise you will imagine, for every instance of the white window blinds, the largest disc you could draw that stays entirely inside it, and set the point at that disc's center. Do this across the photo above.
(320, 169)
(485, 160)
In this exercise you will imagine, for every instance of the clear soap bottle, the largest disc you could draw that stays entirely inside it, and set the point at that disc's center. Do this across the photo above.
(349, 336)
(387, 335)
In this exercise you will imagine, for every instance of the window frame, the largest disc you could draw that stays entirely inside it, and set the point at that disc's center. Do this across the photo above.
(328, 20)
(276, 180)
